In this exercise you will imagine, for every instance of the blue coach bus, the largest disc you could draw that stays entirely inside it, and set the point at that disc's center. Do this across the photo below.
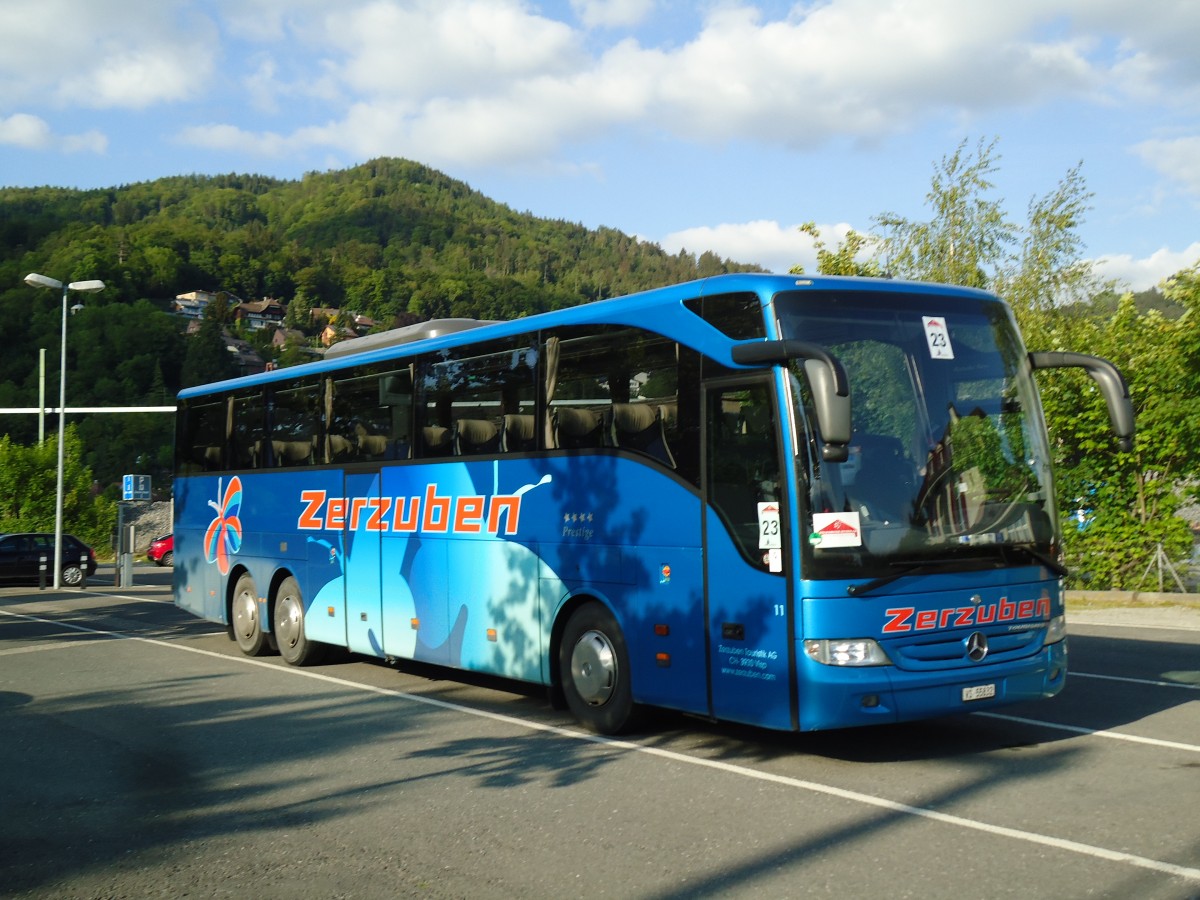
(795, 502)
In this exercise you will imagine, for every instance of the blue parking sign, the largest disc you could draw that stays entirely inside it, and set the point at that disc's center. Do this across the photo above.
(136, 487)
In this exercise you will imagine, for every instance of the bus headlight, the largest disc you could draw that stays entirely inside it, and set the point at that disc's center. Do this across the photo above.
(1056, 629)
(862, 652)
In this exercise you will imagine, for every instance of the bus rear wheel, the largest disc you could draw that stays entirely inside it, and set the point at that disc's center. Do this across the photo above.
(288, 627)
(593, 665)
(244, 618)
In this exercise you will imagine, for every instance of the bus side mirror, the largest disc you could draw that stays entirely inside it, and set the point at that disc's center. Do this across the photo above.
(1112, 385)
(833, 411)
(830, 387)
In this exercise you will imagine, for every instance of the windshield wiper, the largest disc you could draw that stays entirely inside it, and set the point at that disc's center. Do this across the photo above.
(925, 567)
(1044, 558)
(933, 566)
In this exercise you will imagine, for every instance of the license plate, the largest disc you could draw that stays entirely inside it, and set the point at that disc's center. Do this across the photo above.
(978, 692)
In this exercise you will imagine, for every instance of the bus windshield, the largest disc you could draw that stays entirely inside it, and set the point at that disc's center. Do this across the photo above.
(948, 460)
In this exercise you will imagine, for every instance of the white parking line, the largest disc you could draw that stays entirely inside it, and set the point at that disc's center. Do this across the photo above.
(1093, 732)
(1030, 837)
(1147, 681)
(44, 647)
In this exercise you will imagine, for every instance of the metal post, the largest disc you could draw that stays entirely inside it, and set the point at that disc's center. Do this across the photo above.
(1163, 563)
(117, 543)
(62, 433)
(33, 279)
(41, 395)
(129, 540)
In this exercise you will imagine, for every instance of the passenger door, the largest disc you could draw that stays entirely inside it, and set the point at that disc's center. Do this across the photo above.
(747, 558)
(362, 572)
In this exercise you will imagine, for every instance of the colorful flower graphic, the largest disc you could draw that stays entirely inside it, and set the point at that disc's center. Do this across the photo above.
(224, 535)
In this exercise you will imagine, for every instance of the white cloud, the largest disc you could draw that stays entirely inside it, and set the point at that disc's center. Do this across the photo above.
(133, 79)
(262, 88)
(34, 133)
(777, 248)
(24, 130)
(863, 68)
(477, 82)
(1143, 274)
(454, 83)
(437, 49)
(612, 13)
(859, 68)
(103, 53)
(1177, 160)
(231, 138)
(267, 20)
(773, 246)
(87, 142)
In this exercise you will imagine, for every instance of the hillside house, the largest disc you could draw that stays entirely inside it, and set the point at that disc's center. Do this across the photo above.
(257, 314)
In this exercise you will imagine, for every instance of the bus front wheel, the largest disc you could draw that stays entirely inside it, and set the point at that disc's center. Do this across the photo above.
(288, 626)
(247, 626)
(593, 665)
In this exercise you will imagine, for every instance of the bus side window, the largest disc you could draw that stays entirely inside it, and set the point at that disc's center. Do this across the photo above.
(296, 423)
(639, 426)
(480, 404)
(626, 388)
(740, 315)
(201, 438)
(396, 405)
(369, 415)
(577, 387)
(248, 443)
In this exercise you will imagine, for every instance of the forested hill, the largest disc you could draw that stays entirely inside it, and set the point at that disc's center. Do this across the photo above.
(382, 238)
(389, 239)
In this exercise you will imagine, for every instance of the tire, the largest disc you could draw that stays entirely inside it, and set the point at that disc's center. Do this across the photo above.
(244, 619)
(288, 626)
(593, 666)
(72, 575)
(167, 559)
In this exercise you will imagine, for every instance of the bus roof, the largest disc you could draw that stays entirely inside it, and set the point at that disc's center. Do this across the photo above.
(670, 317)
(409, 334)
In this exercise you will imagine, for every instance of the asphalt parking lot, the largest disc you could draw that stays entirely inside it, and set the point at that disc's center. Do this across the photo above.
(147, 757)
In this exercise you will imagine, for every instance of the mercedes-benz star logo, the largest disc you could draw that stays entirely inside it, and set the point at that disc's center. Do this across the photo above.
(977, 646)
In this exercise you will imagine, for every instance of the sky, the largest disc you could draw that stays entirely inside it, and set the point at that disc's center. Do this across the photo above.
(717, 126)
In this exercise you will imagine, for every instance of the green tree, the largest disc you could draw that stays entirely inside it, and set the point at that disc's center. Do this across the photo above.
(294, 353)
(206, 358)
(29, 488)
(845, 260)
(1132, 497)
(1049, 269)
(298, 314)
(969, 235)
(219, 309)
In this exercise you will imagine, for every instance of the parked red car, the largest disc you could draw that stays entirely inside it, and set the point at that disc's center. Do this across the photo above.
(162, 550)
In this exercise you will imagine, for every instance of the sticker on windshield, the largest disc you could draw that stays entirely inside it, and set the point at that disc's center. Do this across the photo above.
(836, 530)
(768, 526)
(937, 335)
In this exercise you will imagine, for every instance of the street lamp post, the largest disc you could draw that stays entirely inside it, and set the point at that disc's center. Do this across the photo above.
(87, 287)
